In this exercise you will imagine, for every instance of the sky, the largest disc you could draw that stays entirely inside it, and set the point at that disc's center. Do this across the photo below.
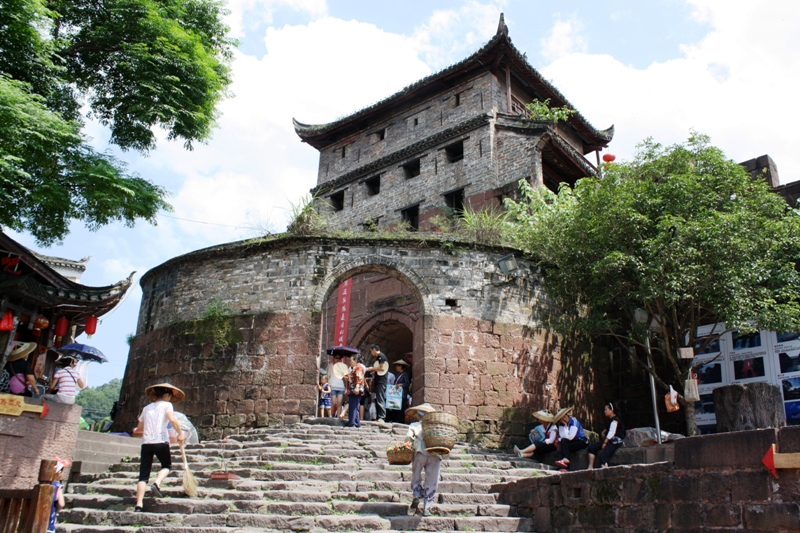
(662, 68)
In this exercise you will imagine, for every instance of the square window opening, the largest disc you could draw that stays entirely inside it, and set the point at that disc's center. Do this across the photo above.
(411, 217)
(380, 134)
(337, 201)
(455, 152)
(373, 185)
(412, 169)
(451, 302)
(457, 100)
(455, 201)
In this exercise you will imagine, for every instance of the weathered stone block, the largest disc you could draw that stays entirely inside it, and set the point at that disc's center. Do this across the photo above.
(722, 515)
(751, 487)
(773, 517)
(724, 450)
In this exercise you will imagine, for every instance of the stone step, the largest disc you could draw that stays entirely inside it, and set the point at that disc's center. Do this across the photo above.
(435, 523)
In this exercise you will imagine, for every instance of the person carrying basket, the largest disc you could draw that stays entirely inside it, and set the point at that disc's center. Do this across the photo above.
(422, 461)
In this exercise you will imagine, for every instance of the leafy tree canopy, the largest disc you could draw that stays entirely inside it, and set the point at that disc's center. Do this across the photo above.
(98, 401)
(132, 65)
(679, 231)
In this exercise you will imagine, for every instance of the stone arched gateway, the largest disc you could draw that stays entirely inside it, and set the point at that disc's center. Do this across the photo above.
(239, 328)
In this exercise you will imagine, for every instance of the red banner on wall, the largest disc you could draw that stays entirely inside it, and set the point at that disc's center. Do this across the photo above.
(343, 312)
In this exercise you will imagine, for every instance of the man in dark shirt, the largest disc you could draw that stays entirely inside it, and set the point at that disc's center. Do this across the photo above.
(379, 382)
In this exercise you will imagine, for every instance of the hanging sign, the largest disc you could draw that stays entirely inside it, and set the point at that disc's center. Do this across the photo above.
(343, 312)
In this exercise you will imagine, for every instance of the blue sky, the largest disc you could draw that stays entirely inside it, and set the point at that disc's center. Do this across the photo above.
(727, 68)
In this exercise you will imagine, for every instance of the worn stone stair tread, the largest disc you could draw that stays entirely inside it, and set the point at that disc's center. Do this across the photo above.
(302, 478)
(83, 528)
(436, 523)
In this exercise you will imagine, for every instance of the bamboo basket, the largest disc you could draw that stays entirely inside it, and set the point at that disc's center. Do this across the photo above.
(400, 457)
(439, 431)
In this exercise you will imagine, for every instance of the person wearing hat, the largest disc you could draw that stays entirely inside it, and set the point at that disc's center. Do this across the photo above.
(155, 437)
(401, 378)
(424, 493)
(571, 435)
(380, 370)
(17, 376)
(543, 437)
(336, 370)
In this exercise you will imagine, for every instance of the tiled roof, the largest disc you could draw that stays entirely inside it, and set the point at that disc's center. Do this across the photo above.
(499, 43)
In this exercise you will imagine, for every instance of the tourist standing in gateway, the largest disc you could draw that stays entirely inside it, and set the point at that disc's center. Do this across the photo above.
(155, 438)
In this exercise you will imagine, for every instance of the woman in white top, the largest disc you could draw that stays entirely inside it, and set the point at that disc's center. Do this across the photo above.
(155, 437)
(66, 383)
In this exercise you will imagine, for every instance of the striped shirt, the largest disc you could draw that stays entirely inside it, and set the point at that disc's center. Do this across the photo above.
(67, 381)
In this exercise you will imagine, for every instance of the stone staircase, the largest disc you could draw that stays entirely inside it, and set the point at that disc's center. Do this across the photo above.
(306, 477)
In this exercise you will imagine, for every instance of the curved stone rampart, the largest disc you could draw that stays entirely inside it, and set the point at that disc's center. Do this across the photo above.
(479, 348)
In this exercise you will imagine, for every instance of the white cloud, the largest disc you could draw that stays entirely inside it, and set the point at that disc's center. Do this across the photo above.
(736, 85)
(256, 165)
(563, 39)
(450, 35)
(244, 12)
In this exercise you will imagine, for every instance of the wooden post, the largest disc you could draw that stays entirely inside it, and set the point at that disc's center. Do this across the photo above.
(42, 499)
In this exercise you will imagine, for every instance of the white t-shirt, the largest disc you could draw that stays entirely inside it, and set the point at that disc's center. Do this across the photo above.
(155, 421)
(67, 381)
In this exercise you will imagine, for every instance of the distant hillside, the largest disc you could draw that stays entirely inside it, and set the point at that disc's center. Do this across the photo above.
(97, 401)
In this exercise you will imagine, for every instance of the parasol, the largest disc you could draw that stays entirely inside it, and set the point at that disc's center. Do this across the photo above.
(346, 351)
(83, 352)
(340, 370)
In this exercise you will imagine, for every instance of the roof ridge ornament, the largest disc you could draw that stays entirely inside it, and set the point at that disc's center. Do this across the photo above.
(502, 29)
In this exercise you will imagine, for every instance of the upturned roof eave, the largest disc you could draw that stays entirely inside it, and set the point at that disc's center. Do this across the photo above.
(320, 135)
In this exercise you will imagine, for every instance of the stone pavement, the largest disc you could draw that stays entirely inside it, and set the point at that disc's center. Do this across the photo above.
(305, 477)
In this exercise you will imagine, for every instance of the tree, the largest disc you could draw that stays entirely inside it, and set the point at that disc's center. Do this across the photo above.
(98, 401)
(134, 65)
(681, 232)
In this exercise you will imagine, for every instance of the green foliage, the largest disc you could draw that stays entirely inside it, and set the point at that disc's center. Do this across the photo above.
(305, 218)
(98, 401)
(135, 64)
(541, 110)
(485, 226)
(216, 326)
(681, 232)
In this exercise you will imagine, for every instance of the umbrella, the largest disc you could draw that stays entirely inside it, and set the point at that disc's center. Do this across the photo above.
(83, 352)
(341, 350)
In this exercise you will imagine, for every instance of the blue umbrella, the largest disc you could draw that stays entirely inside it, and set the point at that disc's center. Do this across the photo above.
(83, 352)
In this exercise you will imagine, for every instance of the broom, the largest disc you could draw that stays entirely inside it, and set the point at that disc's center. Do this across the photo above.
(189, 481)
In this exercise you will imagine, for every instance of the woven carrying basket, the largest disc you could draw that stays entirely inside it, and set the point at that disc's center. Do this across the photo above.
(400, 457)
(439, 431)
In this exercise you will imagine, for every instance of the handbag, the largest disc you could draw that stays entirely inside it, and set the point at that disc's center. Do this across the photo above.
(671, 399)
(17, 384)
(690, 391)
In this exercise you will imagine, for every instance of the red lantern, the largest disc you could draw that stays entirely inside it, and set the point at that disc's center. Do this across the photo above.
(91, 326)
(39, 324)
(7, 323)
(62, 324)
(609, 158)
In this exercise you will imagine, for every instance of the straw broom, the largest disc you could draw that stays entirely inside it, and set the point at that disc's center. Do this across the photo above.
(189, 481)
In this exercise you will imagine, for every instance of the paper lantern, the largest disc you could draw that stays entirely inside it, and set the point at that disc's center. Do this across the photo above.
(91, 326)
(7, 323)
(609, 158)
(40, 323)
(62, 324)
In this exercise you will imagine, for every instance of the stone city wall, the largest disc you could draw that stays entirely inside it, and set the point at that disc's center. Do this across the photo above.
(479, 349)
(716, 483)
(26, 440)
